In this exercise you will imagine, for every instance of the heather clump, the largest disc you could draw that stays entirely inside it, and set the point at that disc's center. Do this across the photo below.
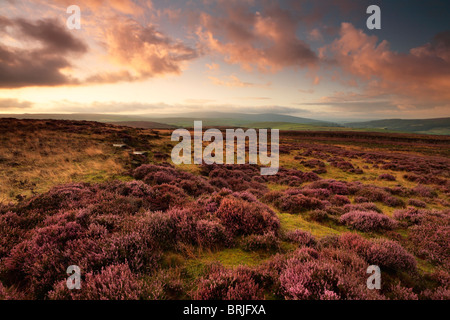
(243, 218)
(265, 242)
(293, 201)
(367, 221)
(302, 238)
(222, 284)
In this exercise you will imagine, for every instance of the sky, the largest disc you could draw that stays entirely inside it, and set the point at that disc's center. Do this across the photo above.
(313, 59)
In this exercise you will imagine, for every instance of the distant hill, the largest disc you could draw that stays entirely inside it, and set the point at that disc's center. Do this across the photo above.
(237, 119)
(144, 124)
(439, 126)
(180, 120)
(428, 126)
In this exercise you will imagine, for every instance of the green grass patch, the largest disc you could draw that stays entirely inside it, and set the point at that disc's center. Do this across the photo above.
(290, 222)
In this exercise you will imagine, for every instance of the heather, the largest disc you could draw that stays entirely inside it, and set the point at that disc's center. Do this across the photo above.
(367, 221)
(140, 227)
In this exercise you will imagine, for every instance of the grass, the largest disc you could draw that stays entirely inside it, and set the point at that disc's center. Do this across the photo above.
(290, 222)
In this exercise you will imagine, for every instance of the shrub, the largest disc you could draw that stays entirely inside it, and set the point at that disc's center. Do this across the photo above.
(292, 201)
(336, 187)
(327, 275)
(381, 252)
(222, 284)
(318, 215)
(265, 242)
(387, 177)
(339, 200)
(430, 239)
(243, 218)
(212, 234)
(367, 221)
(302, 238)
(398, 292)
(391, 255)
(114, 282)
(424, 191)
(365, 206)
(417, 203)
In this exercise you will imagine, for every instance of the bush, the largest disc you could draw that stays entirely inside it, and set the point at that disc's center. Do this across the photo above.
(367, 221)
(302, 238)
(212, 234)
(265, 242)
(243, 218)
(222, 284)
(381, 252)
(417, 203)
(391, 255)
(292, 201)
(318, 215)
(424, 191)
(115, 282)
(430, 239)
(387, 177)
(328, 275)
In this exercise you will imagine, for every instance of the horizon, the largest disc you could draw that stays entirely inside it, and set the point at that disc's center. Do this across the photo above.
(305, 59)
(148, 117)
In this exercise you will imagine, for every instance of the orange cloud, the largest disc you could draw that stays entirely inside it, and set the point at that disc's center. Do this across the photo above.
(266, 40)
(423, 74)
(232, 81)
(123, 6)
(143, 50)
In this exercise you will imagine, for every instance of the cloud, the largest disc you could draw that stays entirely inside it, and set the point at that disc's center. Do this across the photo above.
(122, 6)
(144, 51)
(7, 104)
(264, 40)
(163, 109)
(231, 81)
(421, 76)
(315, 35)
(213, 66)
(42, 64)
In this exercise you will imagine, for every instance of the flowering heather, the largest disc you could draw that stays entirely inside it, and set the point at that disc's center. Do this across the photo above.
(265, 242)
(367, 221)
(339, 200)
(292, 201)
(365, 206)
(154, 237)
(114, 282)
(382, 252)
(417, 203)
(242, 217)
(222, 284)
(387, 177)
(302, 238)
(336, 187)
(389, 254)
(158, 175)
(326, 275)
(424, 191)
(430, 240)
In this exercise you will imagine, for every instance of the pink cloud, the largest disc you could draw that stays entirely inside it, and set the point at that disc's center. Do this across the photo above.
(423, 74)
(145, 51)
(263, 40)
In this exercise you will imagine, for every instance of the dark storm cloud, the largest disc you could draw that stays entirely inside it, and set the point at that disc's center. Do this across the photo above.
(41, 65)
